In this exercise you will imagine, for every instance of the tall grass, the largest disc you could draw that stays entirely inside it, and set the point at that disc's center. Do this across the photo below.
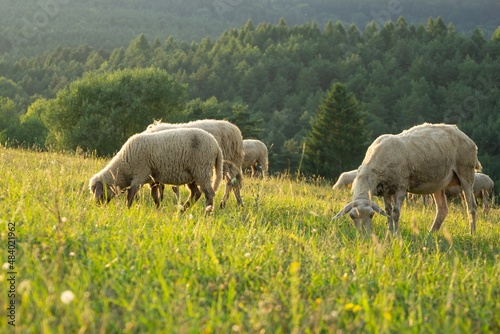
(280, 264)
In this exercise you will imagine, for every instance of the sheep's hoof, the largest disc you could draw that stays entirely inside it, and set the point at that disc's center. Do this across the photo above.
(209, 209)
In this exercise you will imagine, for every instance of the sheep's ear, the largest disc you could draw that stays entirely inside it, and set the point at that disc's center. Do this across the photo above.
(345, 210)
(377, 209)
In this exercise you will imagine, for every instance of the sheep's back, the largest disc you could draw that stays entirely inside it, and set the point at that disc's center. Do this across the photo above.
(172, 155)
(422, 154)
(227, 135)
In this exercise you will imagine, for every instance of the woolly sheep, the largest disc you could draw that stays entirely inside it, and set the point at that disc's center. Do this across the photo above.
(345, 179)
(228, 137)
(483, 188)
(255, 152)
(425, 159)
(182, 156)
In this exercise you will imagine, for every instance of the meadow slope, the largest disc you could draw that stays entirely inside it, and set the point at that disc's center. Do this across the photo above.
(281, 264)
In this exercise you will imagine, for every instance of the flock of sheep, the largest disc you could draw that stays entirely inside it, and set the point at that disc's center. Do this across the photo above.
(199, 154)
(426, 159)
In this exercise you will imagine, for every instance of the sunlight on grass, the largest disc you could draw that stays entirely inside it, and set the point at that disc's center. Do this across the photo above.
(280, 264)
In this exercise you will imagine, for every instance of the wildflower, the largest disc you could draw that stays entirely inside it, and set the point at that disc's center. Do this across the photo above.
(349, 306)
(67, 297)
(352, 307)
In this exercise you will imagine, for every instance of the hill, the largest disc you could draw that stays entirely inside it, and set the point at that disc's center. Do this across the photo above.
(278, 264)
(31, 27)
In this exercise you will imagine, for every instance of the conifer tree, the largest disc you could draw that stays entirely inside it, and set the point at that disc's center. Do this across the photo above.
(338, 137)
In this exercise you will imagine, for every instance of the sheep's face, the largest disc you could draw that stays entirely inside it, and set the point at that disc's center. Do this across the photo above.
(361, 212)
(102, 193)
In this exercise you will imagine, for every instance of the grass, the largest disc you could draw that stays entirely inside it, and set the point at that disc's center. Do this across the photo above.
(280, 264)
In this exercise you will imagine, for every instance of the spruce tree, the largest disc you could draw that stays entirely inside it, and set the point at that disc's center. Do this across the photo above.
(338, 137)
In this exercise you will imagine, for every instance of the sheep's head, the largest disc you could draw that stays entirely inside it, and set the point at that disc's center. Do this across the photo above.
(153, 125)
(103, 193)
(232, 173)
(361, 212)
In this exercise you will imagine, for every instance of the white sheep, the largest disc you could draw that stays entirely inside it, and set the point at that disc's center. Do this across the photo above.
(345, 179)
(483, 188)
(255, 155)
(181, 156)
(425, 159)
(230, 141)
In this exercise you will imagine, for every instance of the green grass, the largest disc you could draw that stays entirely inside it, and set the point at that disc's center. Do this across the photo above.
(280, 264)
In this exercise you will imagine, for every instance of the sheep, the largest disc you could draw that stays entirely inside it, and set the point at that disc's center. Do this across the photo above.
(483, 188)
(229, 138)
(345, 179)
(181, 156)
(425, 159)
(255, 153)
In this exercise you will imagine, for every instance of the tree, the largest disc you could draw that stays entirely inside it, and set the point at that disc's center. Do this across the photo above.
(9, 121)
(496, 35)
(33, 131)
(338, 135)
(138, 53)
(100, 111)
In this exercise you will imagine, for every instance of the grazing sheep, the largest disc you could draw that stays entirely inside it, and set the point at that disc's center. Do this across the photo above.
(228, 137)
(483, 188)
(425, 159)
(345, 179)
(182, 156)
(255, 154)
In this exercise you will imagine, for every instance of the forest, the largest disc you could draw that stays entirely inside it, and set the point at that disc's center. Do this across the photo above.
(270, 80)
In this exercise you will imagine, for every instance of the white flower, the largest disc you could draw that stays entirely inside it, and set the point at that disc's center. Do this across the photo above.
(67, 297)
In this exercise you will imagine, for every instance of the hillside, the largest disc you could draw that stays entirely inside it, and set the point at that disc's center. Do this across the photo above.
(280, 264)
(30, 27)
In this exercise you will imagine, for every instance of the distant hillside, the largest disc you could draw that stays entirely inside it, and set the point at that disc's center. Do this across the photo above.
(30, 27)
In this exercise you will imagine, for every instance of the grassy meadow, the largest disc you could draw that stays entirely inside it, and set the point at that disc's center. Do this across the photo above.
(280, 264)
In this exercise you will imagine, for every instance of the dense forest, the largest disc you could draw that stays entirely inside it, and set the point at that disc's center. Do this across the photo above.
(271, 78)
(30, 27)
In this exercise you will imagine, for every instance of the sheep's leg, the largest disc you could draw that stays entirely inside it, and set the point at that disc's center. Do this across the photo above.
(255, 170)
(209, 199)
(132, 192)
(441, 209)
(161, 187)
(232, 184)
(399, 198)
(194, 195)
(177, 195)
(226, 195)
(484, 198)
(388, 210)
(471, 206)
(236, 191)
(156, 193)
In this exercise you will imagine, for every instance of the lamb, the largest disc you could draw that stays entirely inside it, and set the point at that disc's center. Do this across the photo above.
(229, 138)
(255, 153)
(345, 179)
(425, 159)
(483, 188)
(181, 156)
